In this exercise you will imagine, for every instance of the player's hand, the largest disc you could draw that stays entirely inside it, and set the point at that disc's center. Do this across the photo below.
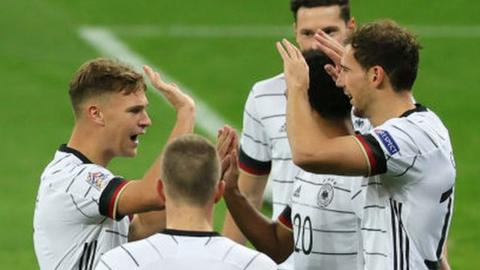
(227, 145)
(295, 67)
(178, 99)
(333, 49)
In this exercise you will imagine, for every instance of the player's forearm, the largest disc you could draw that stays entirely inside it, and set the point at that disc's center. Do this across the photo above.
(231, 230)
(260, 231)
(301, 128)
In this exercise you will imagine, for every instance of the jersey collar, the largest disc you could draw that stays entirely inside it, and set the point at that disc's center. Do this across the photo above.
(82, 157)
(190, 233)
(418, 108)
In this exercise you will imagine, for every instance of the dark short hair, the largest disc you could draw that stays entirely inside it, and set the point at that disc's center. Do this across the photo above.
(344, 5)
(386, 44)
(190, 169)
(324, 96)
(100, 76)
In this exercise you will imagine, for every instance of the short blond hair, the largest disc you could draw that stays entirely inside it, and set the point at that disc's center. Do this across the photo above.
(190, 169)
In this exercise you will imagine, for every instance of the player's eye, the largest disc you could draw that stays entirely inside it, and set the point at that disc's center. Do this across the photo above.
(308, 33)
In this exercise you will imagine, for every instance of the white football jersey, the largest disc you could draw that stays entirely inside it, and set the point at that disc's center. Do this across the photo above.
(177, 250)
(74, 220)
(410, 196)
(264, 147)
(324, 221)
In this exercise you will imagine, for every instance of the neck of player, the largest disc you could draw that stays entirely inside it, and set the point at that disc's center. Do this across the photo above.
(393, 106)
(183, 217)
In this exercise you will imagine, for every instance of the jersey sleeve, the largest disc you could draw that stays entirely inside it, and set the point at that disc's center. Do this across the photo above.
(389, 150)
(255, 153)
(93, 183)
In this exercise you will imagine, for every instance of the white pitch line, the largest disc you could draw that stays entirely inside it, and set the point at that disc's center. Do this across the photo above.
(271, 31)
(104, 41)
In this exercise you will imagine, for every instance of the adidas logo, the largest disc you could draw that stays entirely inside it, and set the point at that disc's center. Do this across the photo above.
(283, 128)
(297, 192)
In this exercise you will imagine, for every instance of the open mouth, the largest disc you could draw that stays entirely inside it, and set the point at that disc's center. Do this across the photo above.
(134, 138)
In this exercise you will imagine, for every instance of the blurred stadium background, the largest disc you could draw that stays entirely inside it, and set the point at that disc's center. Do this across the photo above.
(217, 49)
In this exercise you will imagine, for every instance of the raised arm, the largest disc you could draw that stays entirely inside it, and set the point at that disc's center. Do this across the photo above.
(269, 237)
(141, 196)
(312, 149)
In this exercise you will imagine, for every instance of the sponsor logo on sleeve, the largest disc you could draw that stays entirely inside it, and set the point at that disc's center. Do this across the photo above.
(387, 141)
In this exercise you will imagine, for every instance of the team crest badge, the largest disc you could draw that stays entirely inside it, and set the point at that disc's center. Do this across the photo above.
(325, 194)
(96, 179)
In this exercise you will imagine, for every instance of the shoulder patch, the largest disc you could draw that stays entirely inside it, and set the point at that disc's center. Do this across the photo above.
(387, 141)
(97, 179)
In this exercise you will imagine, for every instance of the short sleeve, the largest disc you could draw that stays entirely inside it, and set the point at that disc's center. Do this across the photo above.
(255, 152)
(93, 183)
(390, 150)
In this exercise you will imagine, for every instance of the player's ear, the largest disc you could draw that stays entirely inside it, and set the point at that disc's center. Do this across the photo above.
(376, 76)
(351, 24)
(95, 113)
(161, 190)
(219, 191)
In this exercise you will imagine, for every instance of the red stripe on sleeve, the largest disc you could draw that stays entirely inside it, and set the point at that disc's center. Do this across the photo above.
(113, 199)
(371, 156)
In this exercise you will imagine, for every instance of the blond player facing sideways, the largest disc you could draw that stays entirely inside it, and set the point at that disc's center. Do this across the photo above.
(83, 209)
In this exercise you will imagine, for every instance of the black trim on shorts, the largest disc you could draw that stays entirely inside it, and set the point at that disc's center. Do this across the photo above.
(78, 154)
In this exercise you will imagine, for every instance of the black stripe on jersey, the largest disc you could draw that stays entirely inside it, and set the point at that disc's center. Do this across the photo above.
(374, 206)
(88, 256)
(446, 195)
(130, 255)
(282, 181)
(108, 197)
(154, 247)
(324, 209)
(253, 166)
(279, 203)
(173, 238)
(335, 253)
(394, 235)
(106, 265)
(208, 241)
(270, 95)
(446, 224)
(253, 139)
(376, 254)
(279, 138)
(117, 233)
(73, 179)
(400, 234)
(319, 184)
(372, 230)
(78, 154)
(250, 262)
(78, 208)
(356, 194)
(58, 161)
(273, 116)
(431, 265)
(408, 168)
(253, 118)
(281, 159)
(372, 183)
(228, 252)
(57, 171)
